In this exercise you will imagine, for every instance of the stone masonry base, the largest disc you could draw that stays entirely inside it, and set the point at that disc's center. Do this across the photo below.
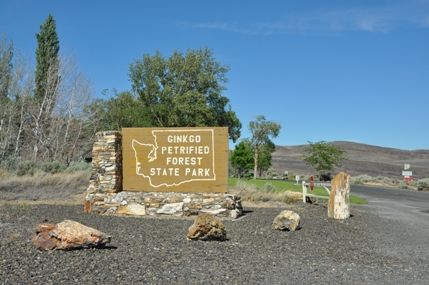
(105, 194)
(164, 203)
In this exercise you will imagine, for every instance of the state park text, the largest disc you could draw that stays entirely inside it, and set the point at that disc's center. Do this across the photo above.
(170, 159)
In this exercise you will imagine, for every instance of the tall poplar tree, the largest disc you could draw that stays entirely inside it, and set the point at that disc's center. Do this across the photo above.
(47, 64)
(47, 82)
(6, 54)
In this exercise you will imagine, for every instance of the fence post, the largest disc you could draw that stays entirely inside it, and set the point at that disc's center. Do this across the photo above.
(304, 191)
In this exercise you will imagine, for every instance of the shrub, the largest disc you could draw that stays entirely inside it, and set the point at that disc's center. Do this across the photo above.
(271, 173)
(382, 180)
(364, 178)
(27, 167)
(52, 167)
(268, 188)
(423, 184)
(11, 163)
(288, 199)
(243, 186)
(78, 166)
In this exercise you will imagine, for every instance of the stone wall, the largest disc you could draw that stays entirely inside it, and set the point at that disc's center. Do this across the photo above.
(105, 195)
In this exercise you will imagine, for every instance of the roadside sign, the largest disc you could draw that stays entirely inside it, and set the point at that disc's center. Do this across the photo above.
(297, 179)
(406, 166)
(311, 182)
(406, 178)
(407, 173)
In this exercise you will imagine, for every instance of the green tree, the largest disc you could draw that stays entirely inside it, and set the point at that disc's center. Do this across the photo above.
(242, 159)
(262, 132)
(6, 55)
(47, 64)
(122, 110)
(265, 157)
(322, 156)
(184, 90)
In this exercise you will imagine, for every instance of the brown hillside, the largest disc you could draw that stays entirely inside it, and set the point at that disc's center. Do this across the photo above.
(363, 159)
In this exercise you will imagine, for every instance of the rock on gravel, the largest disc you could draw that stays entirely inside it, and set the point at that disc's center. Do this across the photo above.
(147, 250)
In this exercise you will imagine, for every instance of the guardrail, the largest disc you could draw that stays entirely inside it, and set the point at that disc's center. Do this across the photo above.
(305, 190)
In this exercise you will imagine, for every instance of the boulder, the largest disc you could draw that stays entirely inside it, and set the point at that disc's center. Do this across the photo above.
(68, 235)
(206, 228)
(286, 221)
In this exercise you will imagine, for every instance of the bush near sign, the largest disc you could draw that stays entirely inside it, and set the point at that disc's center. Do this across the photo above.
(175, 159)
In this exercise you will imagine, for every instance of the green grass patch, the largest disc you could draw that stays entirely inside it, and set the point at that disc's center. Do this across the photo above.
(281, 186)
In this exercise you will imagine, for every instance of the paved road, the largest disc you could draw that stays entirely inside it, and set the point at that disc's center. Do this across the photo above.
(400, 203)
(404, 219)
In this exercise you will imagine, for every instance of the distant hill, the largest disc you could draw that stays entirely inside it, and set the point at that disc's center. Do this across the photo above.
(363, 159)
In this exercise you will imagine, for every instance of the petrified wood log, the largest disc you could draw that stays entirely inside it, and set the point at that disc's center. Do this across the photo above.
(68, 235)
(339, 200)
(206, 227)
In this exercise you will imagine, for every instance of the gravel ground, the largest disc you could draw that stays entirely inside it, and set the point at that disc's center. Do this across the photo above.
(147, 250)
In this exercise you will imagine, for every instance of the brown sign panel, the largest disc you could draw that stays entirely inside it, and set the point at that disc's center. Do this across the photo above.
(175, 159)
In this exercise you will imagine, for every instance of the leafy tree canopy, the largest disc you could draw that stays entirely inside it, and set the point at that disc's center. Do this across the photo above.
(184, 90)
(121, 110)
(322, 156)
(265, 157)
(262, 132)
(242, 159)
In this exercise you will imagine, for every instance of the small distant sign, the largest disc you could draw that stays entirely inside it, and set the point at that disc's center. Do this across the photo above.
(407, 166)
(407, 173)
(297, 178)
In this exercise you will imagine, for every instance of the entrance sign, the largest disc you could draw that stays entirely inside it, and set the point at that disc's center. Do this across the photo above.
(175, 159)
(407, 173)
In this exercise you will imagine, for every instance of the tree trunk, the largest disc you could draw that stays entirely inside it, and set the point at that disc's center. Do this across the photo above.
(255, 169)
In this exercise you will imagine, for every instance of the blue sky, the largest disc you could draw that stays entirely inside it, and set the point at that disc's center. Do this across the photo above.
(325, 70)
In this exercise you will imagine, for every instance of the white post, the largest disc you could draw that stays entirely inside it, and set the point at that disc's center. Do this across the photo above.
(304, 191)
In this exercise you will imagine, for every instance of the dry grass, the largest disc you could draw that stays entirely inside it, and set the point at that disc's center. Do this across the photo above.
(43, 186)
(251, 193)
(287, 197)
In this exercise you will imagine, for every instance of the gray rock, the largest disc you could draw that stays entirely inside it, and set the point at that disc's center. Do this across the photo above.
(286, 220)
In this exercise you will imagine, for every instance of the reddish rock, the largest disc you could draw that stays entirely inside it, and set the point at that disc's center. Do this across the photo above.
(68, 235)
(87, 206)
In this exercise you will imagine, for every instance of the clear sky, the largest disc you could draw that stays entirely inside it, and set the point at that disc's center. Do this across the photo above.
(325, 70)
